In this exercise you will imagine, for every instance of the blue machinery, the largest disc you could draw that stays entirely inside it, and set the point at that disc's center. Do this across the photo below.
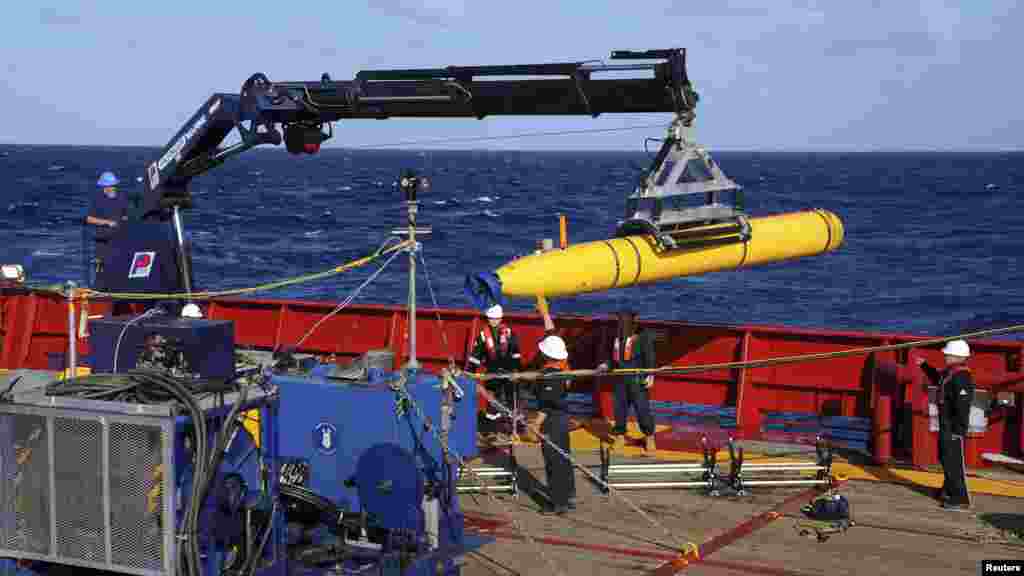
(340, 476)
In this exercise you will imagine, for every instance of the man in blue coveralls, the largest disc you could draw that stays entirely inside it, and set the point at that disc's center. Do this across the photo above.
(109, 207)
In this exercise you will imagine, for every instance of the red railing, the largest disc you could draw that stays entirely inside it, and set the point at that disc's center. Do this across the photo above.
(886, 387)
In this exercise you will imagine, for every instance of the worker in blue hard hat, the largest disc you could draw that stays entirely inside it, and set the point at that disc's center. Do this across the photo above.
(954, 396)
(109, 207)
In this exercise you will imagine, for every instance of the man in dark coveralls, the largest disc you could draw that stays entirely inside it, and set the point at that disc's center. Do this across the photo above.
(954, 395)
(109, 207)
(551, 401)
(633, 348)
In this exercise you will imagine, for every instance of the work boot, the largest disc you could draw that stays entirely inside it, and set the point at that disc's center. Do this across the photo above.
(619, 443)
(650, 446)
(554, 511)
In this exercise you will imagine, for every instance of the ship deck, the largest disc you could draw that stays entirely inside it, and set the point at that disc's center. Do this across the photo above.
(899, 528)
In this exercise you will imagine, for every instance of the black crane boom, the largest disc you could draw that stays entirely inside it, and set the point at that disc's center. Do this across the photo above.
(296, 113)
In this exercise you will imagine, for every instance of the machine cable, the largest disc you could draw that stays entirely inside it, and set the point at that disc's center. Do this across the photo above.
(406, 400)
(154, 387)
(347, 300)
(117, 348)
(437, 311)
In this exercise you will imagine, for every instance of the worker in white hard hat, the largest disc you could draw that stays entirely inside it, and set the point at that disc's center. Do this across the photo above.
(495, 351)
(551, 401)
(954, 395)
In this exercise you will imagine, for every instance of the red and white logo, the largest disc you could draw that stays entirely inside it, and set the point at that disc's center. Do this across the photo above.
(142, 264)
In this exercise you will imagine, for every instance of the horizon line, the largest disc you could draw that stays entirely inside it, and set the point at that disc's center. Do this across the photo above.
(385, 147)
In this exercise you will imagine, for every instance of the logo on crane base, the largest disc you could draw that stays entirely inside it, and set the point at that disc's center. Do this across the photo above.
(154, 176)
(142, 264)
(325, 438)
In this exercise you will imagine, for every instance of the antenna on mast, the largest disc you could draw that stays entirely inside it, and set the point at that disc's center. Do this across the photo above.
(410, 184)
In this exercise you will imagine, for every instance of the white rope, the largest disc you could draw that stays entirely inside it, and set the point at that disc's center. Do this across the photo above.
(348, 300)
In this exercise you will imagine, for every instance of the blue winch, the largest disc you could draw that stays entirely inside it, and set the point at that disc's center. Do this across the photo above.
(302, 472)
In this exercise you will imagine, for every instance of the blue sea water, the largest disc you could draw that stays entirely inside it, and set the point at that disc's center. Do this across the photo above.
(933, 240)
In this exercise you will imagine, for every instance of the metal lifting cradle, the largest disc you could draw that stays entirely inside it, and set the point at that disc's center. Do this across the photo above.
(685, 200)
(661, 475)
(708, 476)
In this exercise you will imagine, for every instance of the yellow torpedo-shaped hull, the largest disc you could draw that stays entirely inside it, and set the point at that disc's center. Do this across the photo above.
(635, 260)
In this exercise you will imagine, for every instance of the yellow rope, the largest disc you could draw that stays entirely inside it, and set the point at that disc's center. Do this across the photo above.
(533, 375)
(90, 293)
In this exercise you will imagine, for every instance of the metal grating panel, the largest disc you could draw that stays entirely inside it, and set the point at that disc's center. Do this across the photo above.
(136, 495)
(89, 485)
(25, 489)
(78, 479)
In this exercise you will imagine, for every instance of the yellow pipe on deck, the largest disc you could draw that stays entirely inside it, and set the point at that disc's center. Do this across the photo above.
(634, 260)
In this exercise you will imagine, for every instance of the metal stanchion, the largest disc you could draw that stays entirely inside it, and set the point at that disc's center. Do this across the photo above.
(72, 359)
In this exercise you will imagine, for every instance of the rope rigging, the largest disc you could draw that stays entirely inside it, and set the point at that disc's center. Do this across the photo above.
(507, 136)
(87, 293)
(534, 375)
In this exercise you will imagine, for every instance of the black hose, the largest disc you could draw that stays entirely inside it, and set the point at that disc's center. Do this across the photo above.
(154, 387)
(190, 550)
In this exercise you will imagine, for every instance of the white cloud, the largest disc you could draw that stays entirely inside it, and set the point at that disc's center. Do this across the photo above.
(433, 13)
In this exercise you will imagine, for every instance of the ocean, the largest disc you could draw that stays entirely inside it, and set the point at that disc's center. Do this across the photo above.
(932, 247)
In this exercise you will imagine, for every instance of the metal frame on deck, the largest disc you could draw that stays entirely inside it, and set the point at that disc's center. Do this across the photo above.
(707, 475)
(663, 475)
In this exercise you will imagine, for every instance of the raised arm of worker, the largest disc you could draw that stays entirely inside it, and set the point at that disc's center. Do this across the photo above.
(542, 307)
(90, 219)
(929, 371)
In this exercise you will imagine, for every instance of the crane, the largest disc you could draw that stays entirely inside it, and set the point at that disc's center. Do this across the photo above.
(301, 115)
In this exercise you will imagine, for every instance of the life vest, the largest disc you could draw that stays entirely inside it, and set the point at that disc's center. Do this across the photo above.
(628, 353)
(504, 341)
(559, 365)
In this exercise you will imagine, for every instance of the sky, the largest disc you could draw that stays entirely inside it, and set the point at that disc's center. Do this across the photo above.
(830, 75)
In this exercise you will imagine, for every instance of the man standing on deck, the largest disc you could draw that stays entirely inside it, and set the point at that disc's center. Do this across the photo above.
(551, 401)
(495, 351)
(108, 208)
(954, 395)
(554, 416)
(633, 349)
